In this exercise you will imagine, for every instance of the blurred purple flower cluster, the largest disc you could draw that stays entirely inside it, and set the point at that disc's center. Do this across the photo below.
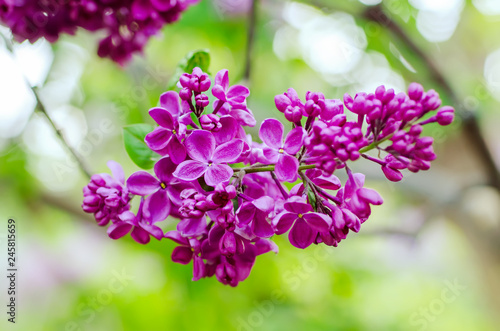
(228, 191)
(127, 24)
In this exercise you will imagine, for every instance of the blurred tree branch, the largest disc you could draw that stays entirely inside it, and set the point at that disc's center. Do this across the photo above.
(252, 21)
(470, 123)
(469, 120)
(41, 108)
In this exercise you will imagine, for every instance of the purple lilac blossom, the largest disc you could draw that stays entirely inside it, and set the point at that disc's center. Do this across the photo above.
(127, 25)
(227, 191)
(106, 196)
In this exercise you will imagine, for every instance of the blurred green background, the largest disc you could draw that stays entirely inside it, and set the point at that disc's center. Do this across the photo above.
(428, 258)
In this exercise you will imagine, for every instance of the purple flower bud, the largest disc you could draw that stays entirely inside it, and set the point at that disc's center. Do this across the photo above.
(415, 91)
(394, 175)
(106, 196)
(445, 115)
(282, 102)
(380, 92)
(201, 100)
(424, 142)
(333, 107)
(359, 105)
(210, 122)
(348, 101)
(312, 108)
(293, 114)
(185, 80)
(185, 94)
(415, 130)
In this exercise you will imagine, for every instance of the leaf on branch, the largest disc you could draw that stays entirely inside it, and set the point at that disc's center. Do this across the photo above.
(312, 200)
(139, 152)
(193, 59)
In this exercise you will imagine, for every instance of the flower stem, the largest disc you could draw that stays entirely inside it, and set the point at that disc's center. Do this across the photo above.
(282, 190)
(270, 167)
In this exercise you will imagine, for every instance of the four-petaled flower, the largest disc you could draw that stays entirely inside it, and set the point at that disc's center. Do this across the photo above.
(257, 212)
(164, 190)
(271, 132)
(306, 223)
(207, 160)
(231, 100)
(166, 139)
(141, 227)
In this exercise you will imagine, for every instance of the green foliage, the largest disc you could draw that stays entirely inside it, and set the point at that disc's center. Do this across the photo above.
(193, 59)
(139, 152)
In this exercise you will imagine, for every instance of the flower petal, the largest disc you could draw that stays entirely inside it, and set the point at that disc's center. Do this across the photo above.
(370, 195)
(260, 226)
(118, 230)
(215, 234)
(243, 115)
(219, 92)
(228, 152)
(198, 268)
(353, 183)
(264, 203)
(222, 78)
(176, 150)
(190, 170)
(264, 245)
(271, 133)
(301, 235)
(245, 213)
(297, 205)
(217, 173)
(192, 227)
(164, 168)
(182, 254)
(157, 206)
(317, 221)
(117, 171)
(228, 130)
(330, 182)
(294, 140)
(162, 117)
(174, 192)
(177, 237)
(153, 230)
(238, 93)
(200, 145)
(170, 101)
(142, 183)
(140, 235)
(270, 155)
(286, 168)
(282, 222)
(158, 138)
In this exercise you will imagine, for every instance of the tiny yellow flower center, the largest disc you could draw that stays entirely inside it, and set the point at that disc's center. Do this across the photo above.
(174, 132)
(300, 215)
(209, 164)
(281, 151)
(163, 186)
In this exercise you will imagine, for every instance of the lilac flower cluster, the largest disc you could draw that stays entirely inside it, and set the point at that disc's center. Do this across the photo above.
(228, 192)
(127, 24)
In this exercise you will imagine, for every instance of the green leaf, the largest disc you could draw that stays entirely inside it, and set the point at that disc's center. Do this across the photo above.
(312, 199)
(139, 152)
(193, 59)
(199, 59)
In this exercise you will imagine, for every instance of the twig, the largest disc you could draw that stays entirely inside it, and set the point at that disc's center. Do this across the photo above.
(41, 108)
(470, 123)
